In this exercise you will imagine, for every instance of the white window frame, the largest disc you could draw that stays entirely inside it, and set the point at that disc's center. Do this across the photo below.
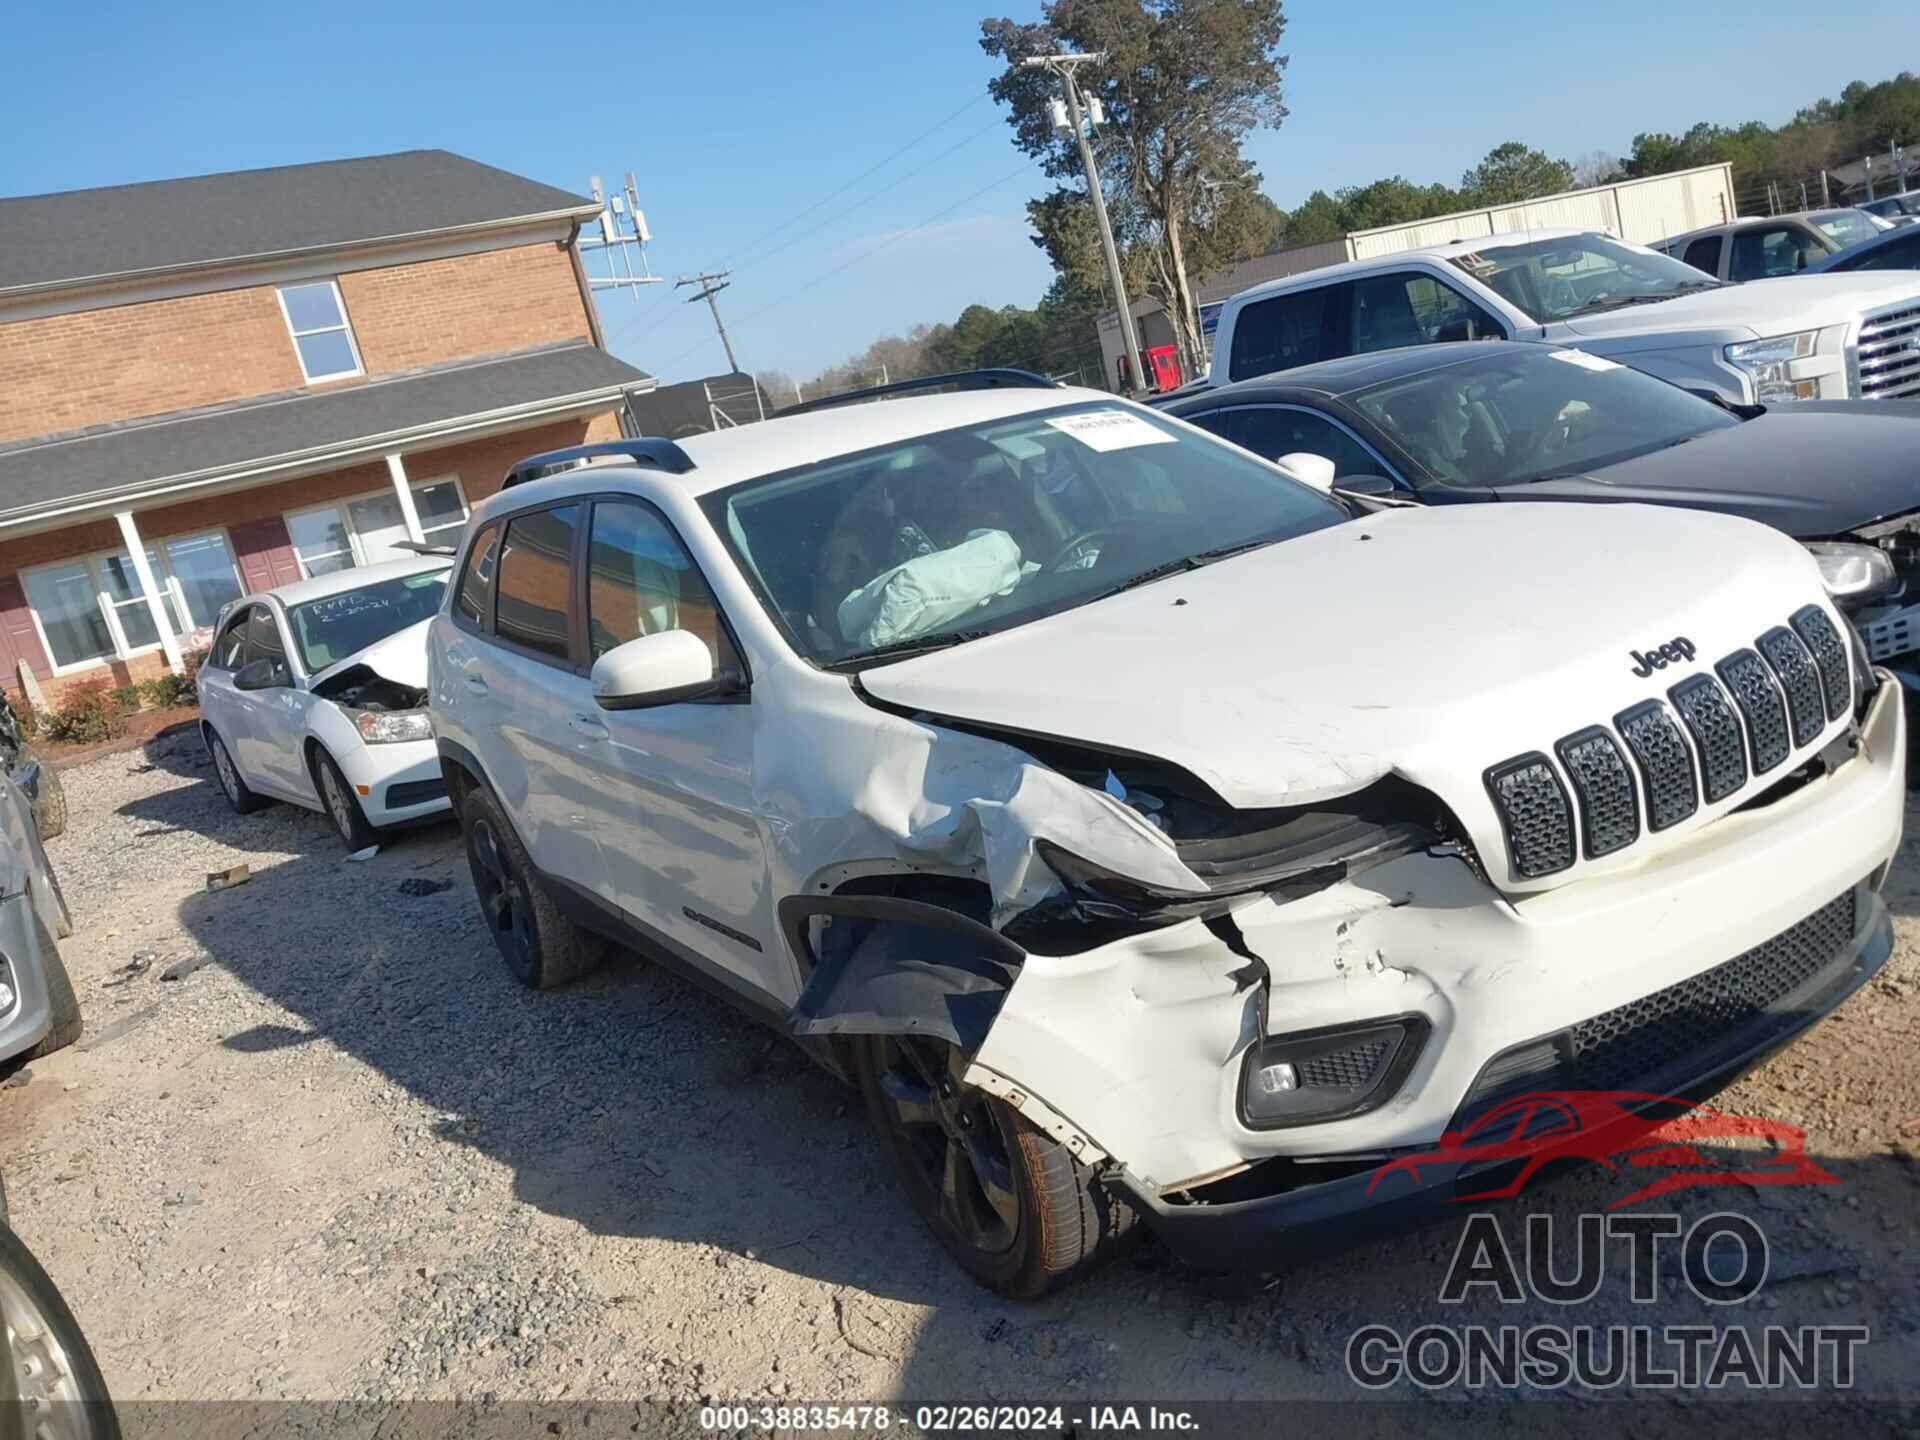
(345, 327)
(343, 508)
(110, 608)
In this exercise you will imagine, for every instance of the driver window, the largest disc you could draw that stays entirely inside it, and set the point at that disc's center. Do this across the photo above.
(641, 581)
(263, 637)
(232, 643)
(1704, 254)
(1779, 250)
(1271, 432)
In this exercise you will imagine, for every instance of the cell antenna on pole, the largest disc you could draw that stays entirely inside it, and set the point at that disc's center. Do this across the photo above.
(622, 236)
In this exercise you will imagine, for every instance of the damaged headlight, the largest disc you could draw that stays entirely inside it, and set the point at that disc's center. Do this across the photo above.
(1331, 1074)
(1305, 852)
(388, 727)
(1854, 573)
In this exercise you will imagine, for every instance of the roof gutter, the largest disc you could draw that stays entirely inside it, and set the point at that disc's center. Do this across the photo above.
(574, 214)
(293, 463)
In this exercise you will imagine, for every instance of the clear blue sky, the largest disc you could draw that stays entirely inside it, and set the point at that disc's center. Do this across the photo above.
(738, 117)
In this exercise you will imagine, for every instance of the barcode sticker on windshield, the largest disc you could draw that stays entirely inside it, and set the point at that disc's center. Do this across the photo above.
(1583, 360)
(1110, 430)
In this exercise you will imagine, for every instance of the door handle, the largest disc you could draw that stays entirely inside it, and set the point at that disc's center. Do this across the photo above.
(476, 683)
(589, 726)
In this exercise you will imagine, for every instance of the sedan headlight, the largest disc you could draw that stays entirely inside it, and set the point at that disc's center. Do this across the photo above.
(1769, 364)
(387, 727)
(1854, 573)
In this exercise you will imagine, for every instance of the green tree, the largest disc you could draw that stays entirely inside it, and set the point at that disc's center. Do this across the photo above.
(1513, 172)
(1183, 83)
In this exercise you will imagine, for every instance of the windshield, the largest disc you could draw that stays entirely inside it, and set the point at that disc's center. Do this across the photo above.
(1579, 275)
(1527, 412)
(328, 630)
(1848, 226)
(944, 537)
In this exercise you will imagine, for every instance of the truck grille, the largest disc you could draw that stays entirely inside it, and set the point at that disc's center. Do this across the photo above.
(1638, 1039)
(1741, 725)
(1887, 359)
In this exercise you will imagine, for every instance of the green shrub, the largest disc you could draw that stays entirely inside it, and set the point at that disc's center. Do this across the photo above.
(126, 697)
(89, 711)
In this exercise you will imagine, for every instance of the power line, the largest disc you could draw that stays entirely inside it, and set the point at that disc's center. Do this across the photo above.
(867, 254)
(880, 165)
(749, 256)
(711, 283)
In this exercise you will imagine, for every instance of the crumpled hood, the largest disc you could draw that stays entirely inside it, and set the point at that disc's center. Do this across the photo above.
(401, 658)
(1780, 306)
(1433, 643)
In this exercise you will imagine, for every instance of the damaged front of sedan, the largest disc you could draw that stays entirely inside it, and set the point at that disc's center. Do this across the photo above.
(1199, 895)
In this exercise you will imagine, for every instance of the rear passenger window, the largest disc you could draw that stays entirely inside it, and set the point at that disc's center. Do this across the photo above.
(1704, 254)
(1280, 333)
(641, 581)
(474, 601)
(534, 580)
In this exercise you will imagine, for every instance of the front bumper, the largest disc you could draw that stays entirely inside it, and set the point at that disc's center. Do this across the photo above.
(397, 783)
(1133, 1053)
(1313, 1218)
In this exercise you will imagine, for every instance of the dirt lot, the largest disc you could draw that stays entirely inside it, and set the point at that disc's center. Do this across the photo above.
(348, 1158)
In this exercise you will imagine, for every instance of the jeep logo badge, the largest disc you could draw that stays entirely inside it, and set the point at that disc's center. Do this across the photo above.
(1677, 649)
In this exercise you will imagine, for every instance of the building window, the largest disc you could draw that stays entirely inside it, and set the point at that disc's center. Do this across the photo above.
(93, 608)
(370, 528)
(318, 321)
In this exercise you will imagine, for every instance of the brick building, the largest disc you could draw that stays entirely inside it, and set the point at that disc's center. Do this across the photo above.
(232, 381)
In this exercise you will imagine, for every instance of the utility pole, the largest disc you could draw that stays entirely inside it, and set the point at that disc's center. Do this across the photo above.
(711, 283)
(1064, 66)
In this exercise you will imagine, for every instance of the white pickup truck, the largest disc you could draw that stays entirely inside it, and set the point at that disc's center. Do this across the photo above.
(1804, 337)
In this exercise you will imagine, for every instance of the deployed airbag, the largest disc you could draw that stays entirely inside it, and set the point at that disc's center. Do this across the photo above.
(929, 590)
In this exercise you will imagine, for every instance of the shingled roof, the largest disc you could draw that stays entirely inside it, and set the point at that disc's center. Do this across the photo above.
(162, 226)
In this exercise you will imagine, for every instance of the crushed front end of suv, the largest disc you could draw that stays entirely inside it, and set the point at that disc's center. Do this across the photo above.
(1149, 840)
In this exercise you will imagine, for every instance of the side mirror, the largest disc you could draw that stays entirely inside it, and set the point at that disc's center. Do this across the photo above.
(262, 674)
(662, 669)
(1308, 469)
(1365, 494)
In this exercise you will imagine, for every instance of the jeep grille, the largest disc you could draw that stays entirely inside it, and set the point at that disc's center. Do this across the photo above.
(1767, 702)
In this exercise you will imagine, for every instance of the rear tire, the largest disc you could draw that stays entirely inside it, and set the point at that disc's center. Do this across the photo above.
(1008, 1202)
(542, 947)
(50, 804)
(227, 776)
(61, 1000)
(342, 805)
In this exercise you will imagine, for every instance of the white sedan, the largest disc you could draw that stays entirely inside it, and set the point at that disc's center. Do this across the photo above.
(314, 693)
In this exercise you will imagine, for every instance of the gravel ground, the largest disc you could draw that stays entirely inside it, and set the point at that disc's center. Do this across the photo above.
(348, 1159)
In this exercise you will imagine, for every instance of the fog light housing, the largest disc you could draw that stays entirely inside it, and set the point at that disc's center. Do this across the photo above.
(1314, 1076)
(7, 997)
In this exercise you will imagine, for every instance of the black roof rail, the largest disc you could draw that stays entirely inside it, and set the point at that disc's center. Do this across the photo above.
(649, 451)
(1004, 378)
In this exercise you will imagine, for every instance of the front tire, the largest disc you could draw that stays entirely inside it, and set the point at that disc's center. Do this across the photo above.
(227, 775)
(542, 947)
(1008, 1202)
(343, 806)
(50, 803)
(61, 1000)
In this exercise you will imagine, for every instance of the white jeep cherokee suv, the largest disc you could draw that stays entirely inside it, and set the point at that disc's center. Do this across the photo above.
(1146, 838)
